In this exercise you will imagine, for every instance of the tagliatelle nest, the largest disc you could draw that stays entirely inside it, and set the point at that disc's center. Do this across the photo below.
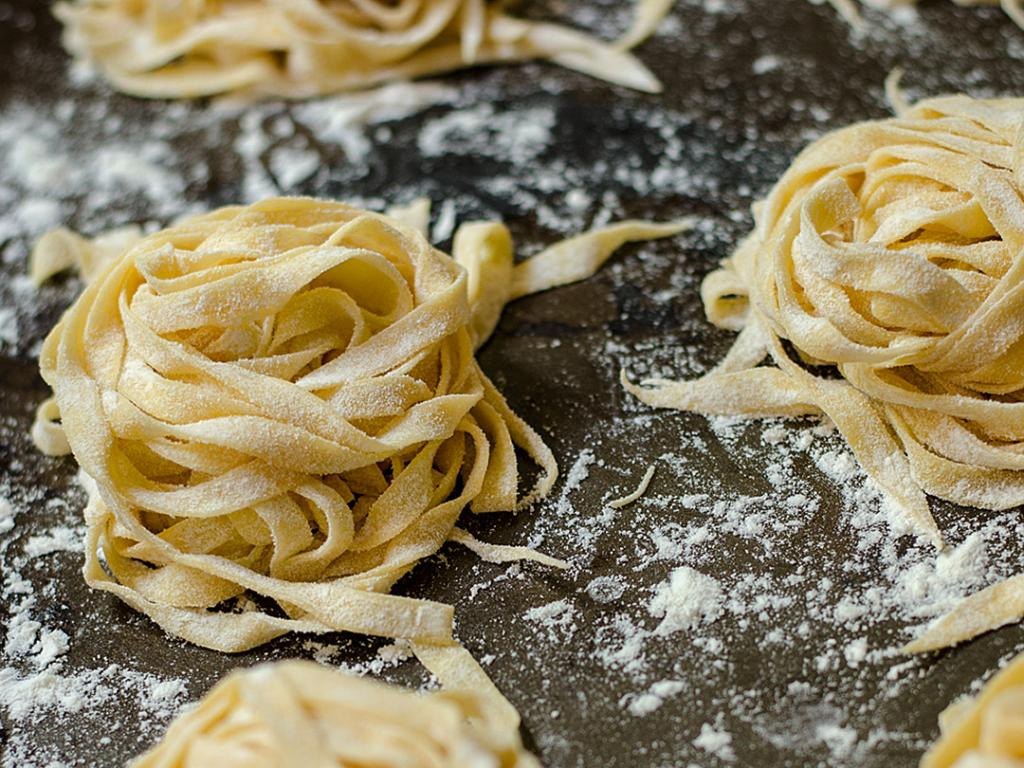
(891, 251)
(283, 399)
(302, 714)
(300, 48)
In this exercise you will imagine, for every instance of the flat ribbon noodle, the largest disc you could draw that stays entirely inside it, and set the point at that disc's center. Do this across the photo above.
(986, 731)
(892, 251)
(302, 48)
(303, 714)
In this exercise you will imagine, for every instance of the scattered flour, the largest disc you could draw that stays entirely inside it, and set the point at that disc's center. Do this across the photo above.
(687, 599)
(678, 582)
(716, 741)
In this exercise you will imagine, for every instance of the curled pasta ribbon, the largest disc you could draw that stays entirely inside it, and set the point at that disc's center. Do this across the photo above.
(986, 731)
(890, 251)
(301, 48)
(848, 9)
(302, 714)
(283, 400)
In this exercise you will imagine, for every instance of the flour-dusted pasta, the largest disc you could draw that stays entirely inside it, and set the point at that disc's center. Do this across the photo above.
(850, 12)
(302, 48)
(282, 400)
(297, 713)
(986, 731)
(889, 251)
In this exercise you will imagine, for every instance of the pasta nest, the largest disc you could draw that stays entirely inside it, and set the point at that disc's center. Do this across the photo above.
(283, 400)
(278, 395)
(891, 252)
(986, 731)
(300, 713)
(300, 48)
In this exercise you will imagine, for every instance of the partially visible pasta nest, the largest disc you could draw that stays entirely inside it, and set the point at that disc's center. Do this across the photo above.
(299, 713)
(985, 731)
(281, 401)
(891, 252)
(301, 48)
(848, 8)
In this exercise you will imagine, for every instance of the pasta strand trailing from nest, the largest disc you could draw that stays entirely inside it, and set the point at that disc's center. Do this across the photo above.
(302, 714)
(991, 608)
(302, 48)
(986, 731)
(283, 400)
(892, 252)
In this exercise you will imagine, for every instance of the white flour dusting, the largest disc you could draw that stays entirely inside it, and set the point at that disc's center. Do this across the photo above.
(678, 581)
(685, 600)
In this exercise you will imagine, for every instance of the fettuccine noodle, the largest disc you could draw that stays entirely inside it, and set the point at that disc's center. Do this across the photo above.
(848, 8)
(297, 713)
(986, 731)
(302, 48)
(892, 252)
(283, 400)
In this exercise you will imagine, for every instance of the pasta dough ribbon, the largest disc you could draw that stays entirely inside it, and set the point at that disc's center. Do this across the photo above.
(991, 608)
(890, 250)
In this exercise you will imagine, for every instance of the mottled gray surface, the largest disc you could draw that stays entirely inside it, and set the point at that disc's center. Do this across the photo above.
(551, 358)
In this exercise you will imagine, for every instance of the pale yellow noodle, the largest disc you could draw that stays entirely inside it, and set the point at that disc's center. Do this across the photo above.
(297, 713)
(991, 608)
(302, 48)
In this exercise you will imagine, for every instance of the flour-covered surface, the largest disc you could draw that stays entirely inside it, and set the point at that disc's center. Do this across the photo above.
(746, 610)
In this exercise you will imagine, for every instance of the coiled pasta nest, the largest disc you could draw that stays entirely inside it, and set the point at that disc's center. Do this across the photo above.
(281, 401)
(299, 713)
(891, 252)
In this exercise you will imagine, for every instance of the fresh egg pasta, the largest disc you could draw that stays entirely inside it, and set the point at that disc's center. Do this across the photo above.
(282, 402)
(986, 731)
